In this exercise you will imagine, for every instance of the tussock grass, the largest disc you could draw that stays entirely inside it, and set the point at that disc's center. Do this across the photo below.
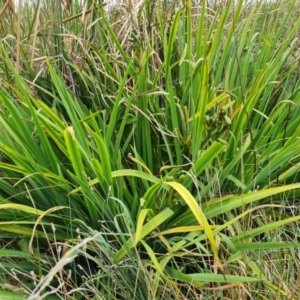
(149, 151)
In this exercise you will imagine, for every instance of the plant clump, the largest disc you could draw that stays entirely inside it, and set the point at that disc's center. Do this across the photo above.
(149, 150)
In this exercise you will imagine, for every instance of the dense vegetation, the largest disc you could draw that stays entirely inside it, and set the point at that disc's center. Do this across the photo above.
(150, 150)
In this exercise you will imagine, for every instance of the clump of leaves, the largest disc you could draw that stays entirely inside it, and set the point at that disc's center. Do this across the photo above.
(140, 159)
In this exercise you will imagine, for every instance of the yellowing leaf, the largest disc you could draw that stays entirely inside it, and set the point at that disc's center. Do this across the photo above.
(199, 215)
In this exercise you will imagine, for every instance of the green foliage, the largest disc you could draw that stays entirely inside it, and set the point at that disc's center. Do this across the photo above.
(150, 153)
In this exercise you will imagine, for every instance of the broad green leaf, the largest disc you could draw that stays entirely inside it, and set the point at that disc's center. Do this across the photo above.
(139, 226)
(103, 154)
(237, 182)
(202, 162)
(123, 173)
(235, 257)
(151, 225)
(74, 153)
(198, 278)
(59, 124)
(22, 231)
(153, 258)
(265, 246)
(52, 131)
(212, 210)
(13, 295)
(264, 228)
(15, 253)
(177, 275)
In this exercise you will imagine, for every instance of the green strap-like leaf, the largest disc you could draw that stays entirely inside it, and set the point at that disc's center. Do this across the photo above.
(146, 229)
(199, 278)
